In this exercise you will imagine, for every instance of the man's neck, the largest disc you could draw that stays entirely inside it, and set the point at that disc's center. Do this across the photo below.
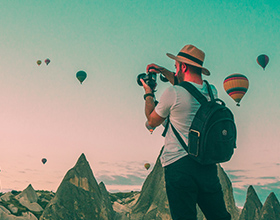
(192, 77)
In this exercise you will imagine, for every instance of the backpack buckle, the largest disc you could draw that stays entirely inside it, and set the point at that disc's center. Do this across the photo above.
(198, 133)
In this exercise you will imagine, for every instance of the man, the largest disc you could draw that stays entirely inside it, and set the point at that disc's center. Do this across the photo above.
(187, 182)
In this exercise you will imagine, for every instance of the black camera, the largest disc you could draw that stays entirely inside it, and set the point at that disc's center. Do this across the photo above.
(150, 79)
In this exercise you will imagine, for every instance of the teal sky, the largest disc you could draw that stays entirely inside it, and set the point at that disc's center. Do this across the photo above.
(45, 112)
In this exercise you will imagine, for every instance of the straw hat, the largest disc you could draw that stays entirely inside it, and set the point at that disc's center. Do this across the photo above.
(191, 55)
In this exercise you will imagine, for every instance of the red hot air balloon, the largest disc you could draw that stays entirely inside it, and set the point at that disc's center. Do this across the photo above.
(47, 61)
(262, 60)
(44, 160)
(147, 166)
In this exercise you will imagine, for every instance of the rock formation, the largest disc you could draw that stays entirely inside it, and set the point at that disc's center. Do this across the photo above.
(29, 198)
(107, 200)
(6, 215)
(152, 203)
(252, 207)
(6, 196)
(20, 206)
(271, 208)
(228, 194)
(78, 196)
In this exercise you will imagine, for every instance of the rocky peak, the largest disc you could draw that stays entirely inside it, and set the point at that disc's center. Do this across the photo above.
(107, 200)
(78, 196)
(228, 193)
(29, 198)
(152, 203)
(28, 194)
(252, 207)
(271, 208)
(81, 176)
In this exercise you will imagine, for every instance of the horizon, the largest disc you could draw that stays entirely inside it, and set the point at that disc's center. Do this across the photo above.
(239, 191)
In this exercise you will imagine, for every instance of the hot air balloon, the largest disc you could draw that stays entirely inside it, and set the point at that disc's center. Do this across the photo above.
(39, 62)
(236, 85)
(262, 60)
(147, 166)
(81, 76)
(44, 160)
(151, 129)
(47, 61)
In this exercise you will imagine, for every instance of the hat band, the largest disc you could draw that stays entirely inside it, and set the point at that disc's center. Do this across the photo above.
(190, 58)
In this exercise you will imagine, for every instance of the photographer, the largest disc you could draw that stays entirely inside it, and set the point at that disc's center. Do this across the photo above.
(187, 182)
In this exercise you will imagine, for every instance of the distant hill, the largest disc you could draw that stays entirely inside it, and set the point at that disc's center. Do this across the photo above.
(79, 196)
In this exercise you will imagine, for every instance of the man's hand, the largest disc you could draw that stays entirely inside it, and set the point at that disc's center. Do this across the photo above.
(146, 87)
(170, 76)
(154, 68)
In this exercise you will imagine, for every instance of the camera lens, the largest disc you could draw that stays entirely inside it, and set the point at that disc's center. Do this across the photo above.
(141, 76)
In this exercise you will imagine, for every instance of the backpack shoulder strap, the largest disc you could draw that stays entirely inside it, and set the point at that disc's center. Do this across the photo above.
(196, 94)
(166, 127)
(209, 90)
(193, 91)
(180, 139)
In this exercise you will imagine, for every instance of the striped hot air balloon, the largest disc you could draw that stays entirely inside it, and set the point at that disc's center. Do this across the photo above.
(236, 85)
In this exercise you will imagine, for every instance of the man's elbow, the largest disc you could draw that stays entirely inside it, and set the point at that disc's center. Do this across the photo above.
(154, 119)
(152, 123)
(155, 122)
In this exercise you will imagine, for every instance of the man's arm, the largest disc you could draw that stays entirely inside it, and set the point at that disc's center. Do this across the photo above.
(153, 118)
(158, 69)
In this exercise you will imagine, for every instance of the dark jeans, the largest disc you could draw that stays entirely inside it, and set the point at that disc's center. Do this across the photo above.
(189, 183)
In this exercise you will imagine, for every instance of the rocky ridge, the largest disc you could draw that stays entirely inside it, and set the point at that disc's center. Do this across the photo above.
(79, 196)
(27, 204)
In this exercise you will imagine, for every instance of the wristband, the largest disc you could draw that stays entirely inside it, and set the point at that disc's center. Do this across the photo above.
(149, 94)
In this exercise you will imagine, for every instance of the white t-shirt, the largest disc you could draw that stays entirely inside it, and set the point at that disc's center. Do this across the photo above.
(181, 107)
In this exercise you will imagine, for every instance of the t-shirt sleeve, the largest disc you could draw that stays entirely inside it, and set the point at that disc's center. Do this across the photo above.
(166, 102)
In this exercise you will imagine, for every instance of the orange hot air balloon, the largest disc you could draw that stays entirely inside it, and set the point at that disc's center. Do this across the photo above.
(44, 160)
(151, 129)
(262, 60)
(147, 166)
(39, 62)
(236, 85)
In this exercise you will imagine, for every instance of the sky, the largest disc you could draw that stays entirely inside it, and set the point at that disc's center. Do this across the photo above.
(47, 113)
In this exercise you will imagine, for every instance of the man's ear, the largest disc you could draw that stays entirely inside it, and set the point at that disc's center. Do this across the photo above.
(184, 67)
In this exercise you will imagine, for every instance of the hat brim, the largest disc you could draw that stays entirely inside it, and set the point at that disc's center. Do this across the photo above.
(190, 62)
